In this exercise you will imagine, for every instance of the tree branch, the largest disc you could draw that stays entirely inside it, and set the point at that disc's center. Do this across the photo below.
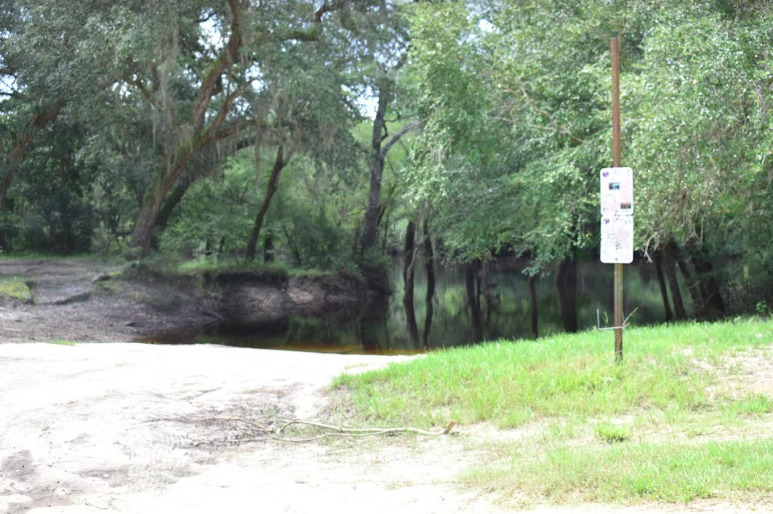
(227, 57)
(147, 93)
(398, 136)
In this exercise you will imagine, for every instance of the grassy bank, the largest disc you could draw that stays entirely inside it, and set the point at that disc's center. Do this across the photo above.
(686, 415)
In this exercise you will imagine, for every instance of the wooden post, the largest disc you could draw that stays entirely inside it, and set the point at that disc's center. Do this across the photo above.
(617, 161)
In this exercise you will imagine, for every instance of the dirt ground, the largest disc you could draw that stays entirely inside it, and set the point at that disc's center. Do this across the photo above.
(80, 300)
(100, 426)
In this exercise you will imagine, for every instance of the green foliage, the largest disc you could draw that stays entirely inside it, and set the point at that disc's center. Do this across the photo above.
(51, 216)
(214, 216)
(513, 137)
(15, 290)
(134, 103)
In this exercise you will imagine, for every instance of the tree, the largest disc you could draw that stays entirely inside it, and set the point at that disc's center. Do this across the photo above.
(51, 56)
(699, 128)
(226, 70)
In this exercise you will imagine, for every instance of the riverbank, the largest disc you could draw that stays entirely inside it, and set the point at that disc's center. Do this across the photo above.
(91, 300)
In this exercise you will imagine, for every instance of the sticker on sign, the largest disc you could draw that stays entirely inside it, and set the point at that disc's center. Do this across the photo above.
(616, 191)
(617, 239)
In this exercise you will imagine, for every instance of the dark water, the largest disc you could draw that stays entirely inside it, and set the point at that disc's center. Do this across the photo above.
(504, 313)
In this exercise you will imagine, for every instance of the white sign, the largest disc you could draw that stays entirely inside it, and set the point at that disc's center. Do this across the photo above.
(617, 239)
(616, 191)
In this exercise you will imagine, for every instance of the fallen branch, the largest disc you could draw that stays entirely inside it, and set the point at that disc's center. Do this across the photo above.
(341, 431)
(334, 431)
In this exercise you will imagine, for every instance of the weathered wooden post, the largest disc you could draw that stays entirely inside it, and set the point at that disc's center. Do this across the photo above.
(617, 158)
(617, 206)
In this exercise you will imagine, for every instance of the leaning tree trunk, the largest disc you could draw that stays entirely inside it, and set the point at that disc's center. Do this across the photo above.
(376, 172)
(429, 266)
(566, 289)
(144, 226)
(712, 304)
(172, 201)
(663, 287)
(692, 284)
(533, 314)
(271, 189)
(474, 300)
(669, 266)
(206, 129)
(409, 263)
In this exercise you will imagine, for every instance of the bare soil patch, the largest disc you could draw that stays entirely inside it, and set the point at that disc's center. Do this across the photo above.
(82, 300)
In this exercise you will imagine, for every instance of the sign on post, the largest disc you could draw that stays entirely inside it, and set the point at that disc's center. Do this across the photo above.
(617, 239)
(616, 215)
(616, 191)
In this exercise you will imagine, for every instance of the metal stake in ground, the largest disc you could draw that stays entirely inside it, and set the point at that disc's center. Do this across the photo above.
(617, 161)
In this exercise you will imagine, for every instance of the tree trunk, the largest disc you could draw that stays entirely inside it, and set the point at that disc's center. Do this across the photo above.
(429, 266)
(376, 172)
(669, 265)
(271, 188)
(165, 212)
(374, 210)
(204, 132)
(144, 226)
(173, 200)
(534, 316)
(689, 278)
(429, 262)
(268, 248)
(409, 258)
(662, 284)
(712, 305)
(409, 263)
(474, 300)
(566, 289)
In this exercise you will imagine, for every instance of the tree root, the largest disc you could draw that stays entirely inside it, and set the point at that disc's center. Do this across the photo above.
(332, 430)
(341, 431)
(337, 431)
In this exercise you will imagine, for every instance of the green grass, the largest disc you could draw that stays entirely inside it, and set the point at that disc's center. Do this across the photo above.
(663, 425)
(204, 265)
(40, 256)
(16, 290)
(63, 342)
(511, 383)
(755, 404)
(629, 472)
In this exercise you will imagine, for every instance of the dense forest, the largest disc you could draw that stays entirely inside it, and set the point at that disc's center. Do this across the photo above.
(330, 134)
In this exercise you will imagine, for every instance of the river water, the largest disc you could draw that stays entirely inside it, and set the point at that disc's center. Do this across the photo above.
(503, 313)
